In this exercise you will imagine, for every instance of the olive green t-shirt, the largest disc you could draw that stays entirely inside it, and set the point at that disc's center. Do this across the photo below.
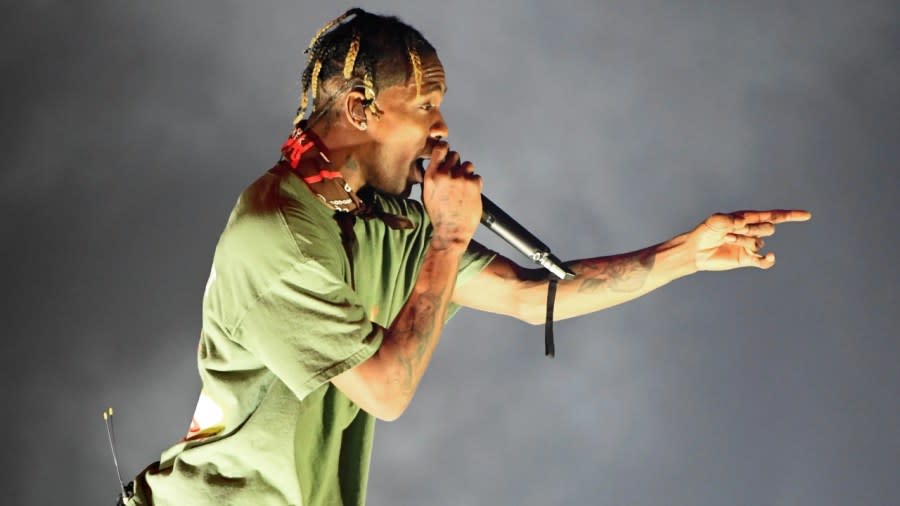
(290, 303)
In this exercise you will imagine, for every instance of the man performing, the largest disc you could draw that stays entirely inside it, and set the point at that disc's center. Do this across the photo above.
(330, 288)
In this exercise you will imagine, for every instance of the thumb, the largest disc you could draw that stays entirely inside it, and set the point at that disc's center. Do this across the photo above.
(759, 261)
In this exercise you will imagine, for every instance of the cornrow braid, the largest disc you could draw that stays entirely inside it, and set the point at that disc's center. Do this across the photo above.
(362, 49)
(415, 62)
(417, 70)
(367, 64)
(315, 78)
(350, 59)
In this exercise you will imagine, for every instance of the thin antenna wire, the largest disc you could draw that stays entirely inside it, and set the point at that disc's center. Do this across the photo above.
(107, 417)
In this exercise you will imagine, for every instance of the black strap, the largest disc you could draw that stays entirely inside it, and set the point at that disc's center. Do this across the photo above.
(549, 348)
(348, 240)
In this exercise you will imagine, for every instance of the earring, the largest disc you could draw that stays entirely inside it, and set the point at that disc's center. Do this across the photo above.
(363, 125)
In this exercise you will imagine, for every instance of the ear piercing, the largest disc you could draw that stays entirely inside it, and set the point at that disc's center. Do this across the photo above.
(363, 125)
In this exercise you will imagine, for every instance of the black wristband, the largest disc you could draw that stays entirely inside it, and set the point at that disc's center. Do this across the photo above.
(549, 348)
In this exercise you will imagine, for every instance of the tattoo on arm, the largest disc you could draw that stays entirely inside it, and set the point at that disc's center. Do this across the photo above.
(620, 273)
(420, 327)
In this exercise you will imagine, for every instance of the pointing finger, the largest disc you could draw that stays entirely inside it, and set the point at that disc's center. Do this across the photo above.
(774, 215)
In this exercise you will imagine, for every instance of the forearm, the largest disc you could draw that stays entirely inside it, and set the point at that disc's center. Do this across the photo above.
(384, 384)
(604, 282)
(410, 340)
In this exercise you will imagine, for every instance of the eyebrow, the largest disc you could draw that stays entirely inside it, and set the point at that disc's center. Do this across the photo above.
(434, 87)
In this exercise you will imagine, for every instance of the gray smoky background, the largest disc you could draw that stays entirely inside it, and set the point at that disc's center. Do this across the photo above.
(129, 128)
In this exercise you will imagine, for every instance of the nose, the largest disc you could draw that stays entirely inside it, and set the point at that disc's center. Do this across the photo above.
(439, 129)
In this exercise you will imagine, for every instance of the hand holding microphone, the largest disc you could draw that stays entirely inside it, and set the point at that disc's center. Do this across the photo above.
(454, 205)
(451, 193)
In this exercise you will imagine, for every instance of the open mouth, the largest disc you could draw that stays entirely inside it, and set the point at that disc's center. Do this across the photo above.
(417, 170)
(422, 162)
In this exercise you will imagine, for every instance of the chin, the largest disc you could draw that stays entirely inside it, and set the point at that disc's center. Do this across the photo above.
(400, 185)
(397, 190)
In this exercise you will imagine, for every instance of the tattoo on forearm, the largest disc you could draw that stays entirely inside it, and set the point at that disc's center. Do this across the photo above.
(621, 273)
(420, 328)
(424, 320)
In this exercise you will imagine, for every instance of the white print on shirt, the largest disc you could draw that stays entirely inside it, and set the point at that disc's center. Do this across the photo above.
(208, 417)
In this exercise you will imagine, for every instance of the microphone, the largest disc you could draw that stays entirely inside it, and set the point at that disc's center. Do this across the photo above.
(502, 224)
(515, 234)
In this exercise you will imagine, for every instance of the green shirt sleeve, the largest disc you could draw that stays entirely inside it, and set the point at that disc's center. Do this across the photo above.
(308, 327)
(473, 261)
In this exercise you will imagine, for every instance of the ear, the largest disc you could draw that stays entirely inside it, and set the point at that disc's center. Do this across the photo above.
(355, 109)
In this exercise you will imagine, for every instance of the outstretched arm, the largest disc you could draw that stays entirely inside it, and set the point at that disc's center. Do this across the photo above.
(721, 242)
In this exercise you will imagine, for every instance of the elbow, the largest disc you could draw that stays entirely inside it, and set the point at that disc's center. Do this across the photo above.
(387, 417)
(383, 385)
(530, 297)
(534, 321)
(388, 395)
(375, 389)
(532, 314)
(387, 410)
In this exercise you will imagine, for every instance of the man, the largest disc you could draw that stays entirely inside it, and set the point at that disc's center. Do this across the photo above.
(329, 288)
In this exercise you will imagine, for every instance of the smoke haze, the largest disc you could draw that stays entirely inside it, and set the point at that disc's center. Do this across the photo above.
(131, 127)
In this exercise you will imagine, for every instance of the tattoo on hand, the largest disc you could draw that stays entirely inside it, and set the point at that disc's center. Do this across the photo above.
(621, 273)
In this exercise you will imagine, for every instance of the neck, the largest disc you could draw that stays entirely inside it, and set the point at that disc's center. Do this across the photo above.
(343, 151)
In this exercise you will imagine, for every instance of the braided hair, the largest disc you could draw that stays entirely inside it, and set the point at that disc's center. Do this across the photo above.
(362, 49)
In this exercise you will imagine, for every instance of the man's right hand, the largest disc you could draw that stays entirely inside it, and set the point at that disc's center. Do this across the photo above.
(451, 192)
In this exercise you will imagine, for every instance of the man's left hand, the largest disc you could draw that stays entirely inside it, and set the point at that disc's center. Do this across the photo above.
(730, 241)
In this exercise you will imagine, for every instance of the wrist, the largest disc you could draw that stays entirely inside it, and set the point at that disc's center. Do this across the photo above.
(448, 242)
(676, 257)
(439, 268)
(448, 249)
